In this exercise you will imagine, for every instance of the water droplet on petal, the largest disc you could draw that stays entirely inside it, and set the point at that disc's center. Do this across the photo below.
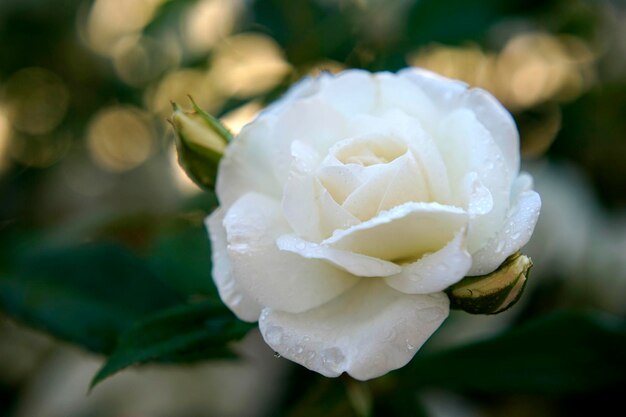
(333, 358)
(274, 335)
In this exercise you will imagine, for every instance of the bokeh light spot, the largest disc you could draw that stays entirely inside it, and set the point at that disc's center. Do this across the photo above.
(120, 138)
(36, 100)
(248, 64)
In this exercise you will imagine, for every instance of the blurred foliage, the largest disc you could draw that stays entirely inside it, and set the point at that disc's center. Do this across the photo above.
(101, 235)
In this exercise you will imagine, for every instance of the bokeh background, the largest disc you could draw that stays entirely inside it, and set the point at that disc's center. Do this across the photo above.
(86, 156)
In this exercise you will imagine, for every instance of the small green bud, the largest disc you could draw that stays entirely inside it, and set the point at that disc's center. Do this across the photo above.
(200, 141)
(495, 292)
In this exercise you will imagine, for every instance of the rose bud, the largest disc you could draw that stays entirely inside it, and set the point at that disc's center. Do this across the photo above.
(495, 292)
(200, 141)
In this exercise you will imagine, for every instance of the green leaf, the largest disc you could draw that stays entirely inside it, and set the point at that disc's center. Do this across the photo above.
(183, 259)
(560, 353)
(182, 334)
(85, 294)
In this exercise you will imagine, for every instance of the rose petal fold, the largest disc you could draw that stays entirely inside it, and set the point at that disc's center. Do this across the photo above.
(468, 147)
(515, 233)
(367, 332)
(435, 271)
(354, 263)
(247, 166)
(449, 95)
(275, 278)
(240, 302)
(403, 233)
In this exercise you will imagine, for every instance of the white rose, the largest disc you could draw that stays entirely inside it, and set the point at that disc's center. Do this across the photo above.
(349, 205)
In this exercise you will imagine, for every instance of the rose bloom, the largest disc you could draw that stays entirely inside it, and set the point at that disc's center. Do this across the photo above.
(353, 202)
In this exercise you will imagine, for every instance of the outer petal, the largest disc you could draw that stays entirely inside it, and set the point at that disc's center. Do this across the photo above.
(240, 302)
(354, 263)
(435, 271)
(275, 278)
(367, 332)
(468, 147)
(397, 92)
(247, 165)
(311, 121)
(405, 232)
(351, 92)
(516, 232)
(304, 88)
(452, 94)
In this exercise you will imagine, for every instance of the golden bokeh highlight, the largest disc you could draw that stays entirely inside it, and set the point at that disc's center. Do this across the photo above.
(236, 119)
(531, 69)
(139, 59)
(208, 22)
(177, 85)
(120, 138)
(5, 137)
(111, 20)
(248, 64)
(36, 100)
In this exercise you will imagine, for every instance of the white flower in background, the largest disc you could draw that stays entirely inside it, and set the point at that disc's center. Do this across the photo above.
(349, 205)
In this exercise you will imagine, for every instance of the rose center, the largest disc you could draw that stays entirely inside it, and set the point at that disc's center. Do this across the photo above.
(370, 151)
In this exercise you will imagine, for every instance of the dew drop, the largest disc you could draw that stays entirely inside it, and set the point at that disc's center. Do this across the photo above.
(500, 247)
(410, 346)
(274, 335)
(277, 355)
(333, 358)
(515, 235)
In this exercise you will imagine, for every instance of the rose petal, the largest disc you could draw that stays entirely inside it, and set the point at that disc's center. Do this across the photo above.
(392, 184)
(310, 121)
(443, 92)
(397, 92)
(518, 227)
(405, 232)
(354, 263)
(468, 147)
(450, 94)
(351, 92)
(397, 124)
(244, 306)
(498, 121)
(247, 166)
(475, 197)
(306, 87)
(275, 278)
(367, 332)
(332, 215)
(300, 193)
(435, 271)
